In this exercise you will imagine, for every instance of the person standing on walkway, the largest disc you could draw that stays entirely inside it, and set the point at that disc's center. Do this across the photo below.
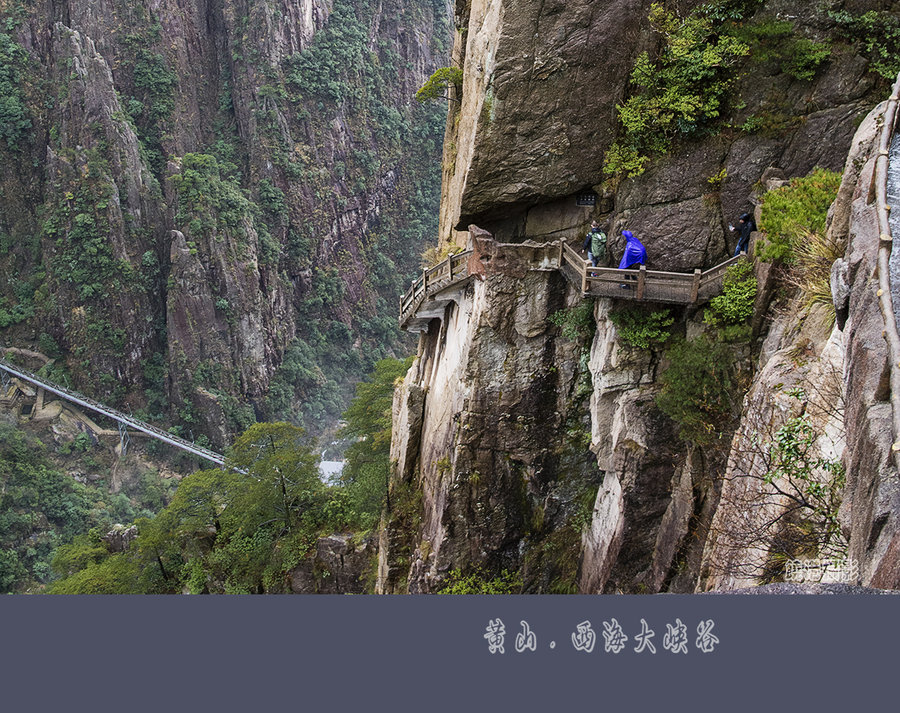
(745, 226)
(595, 245)
(634, 255)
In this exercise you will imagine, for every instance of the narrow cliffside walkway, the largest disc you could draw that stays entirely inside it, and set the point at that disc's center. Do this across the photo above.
(429, 295)
(124, 420)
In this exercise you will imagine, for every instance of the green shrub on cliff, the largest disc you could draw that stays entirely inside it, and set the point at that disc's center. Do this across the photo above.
(776, 44)
(735, 305)
(729, 10)
(640, 329)
(877, 34)
(793, 211)
(577, 322)
(699, 389)
(806, 57)
(157, 82)
(14, 120)
(679, 93)
(479, 583)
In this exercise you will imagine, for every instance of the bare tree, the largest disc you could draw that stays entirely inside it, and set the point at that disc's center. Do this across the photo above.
(782, 487)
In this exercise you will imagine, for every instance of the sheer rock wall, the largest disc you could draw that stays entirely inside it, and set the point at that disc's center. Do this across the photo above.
(535, 119)
(196, 291)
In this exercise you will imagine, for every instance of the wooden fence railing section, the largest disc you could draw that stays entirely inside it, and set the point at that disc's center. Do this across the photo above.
(636, 284)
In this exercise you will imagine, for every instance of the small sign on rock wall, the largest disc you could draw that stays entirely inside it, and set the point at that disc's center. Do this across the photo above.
(587, 199)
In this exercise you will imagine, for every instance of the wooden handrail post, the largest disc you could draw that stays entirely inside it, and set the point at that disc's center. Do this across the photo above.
(695, 287)
(584, 285)
(642, 276)
(559, 260)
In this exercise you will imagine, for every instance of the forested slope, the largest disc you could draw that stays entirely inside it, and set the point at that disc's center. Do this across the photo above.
(207, 210)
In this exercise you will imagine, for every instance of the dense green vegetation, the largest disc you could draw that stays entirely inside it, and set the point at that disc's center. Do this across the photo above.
(79, 228)
(153, 83)
(223, 531)
(209, 203)
(791, 213)
(242, 532)
(732, 309)
(367, 421)
(700, 389)
(42, 509)
(640, 329)
(735, 304)
(14, 119)
(877, 34)
(477, 583)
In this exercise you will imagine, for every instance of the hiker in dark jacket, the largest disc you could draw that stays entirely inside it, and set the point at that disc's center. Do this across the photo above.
(745, 226)
(595, 245)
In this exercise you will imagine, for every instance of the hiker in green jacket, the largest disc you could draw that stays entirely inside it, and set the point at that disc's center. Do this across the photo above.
(595, 246)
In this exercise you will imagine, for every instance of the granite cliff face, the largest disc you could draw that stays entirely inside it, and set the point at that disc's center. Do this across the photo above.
(498, 394)
(201, 204)
(497, 461)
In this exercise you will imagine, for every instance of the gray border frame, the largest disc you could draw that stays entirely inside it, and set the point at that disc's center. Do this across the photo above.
(429, 653)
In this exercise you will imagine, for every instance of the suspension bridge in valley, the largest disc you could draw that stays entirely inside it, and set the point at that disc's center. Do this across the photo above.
(10, 371)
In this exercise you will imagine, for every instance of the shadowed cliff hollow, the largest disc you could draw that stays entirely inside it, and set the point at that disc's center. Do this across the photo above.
(207, 209)
(567, 445)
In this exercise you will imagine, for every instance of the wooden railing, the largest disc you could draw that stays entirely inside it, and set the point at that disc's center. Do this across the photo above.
(882, 210)
(449, 272)
(644, 284)
(639, 284)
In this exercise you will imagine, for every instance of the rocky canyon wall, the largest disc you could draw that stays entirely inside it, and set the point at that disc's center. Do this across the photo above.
(214, 204)
(491, 400)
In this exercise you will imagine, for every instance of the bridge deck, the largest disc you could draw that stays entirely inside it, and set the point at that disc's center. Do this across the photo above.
(128, 421)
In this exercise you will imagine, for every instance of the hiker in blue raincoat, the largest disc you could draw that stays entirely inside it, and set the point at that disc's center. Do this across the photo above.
(634, 256)
(635, 253)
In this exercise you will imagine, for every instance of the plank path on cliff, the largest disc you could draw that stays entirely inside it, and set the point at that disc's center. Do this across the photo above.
(437, 286)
